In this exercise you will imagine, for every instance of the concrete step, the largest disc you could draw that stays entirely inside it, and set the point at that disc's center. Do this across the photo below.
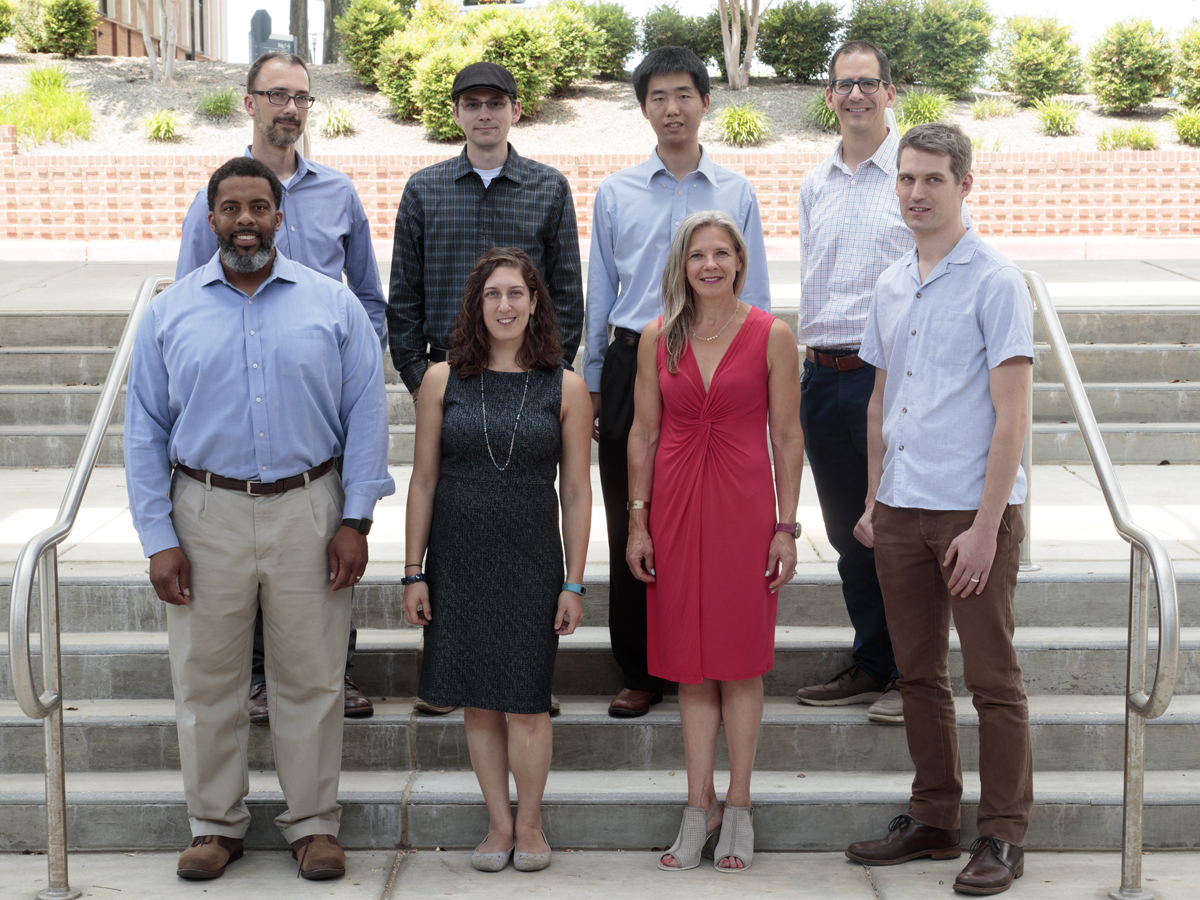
(1103, 363)
(1069, 733)
(1126, 325)
(1126, 442)
(1133, 403)
(1078, 660)
(822, 810)
(54, 365)
(78, 329)
(128, 604)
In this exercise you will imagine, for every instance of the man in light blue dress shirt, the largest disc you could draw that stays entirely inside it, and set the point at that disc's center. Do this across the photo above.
(636, 213)
(950, 332)
(249, 378)
(324, 228)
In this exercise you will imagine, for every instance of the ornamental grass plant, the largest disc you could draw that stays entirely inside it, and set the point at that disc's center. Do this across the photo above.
(743, 124)
(1187, 125)
(821, 115)
(218, 105)
(1134, 137)
(165, 126)
(992, 108)
(47, 109)
(1058, 117)
(337, 122)
(921, 107)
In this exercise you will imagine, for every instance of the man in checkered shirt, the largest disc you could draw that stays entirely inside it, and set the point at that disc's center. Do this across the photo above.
(850, 232)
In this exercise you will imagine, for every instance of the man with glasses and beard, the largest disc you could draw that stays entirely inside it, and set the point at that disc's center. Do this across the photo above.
(233, 428)
(324, 228)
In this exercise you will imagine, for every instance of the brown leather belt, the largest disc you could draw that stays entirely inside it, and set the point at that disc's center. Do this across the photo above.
(437, 355)
(257, 488)
(627, 337)
(843, 362)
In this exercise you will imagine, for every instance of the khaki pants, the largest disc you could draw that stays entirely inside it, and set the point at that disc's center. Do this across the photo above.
(910, 545)
(245, 552)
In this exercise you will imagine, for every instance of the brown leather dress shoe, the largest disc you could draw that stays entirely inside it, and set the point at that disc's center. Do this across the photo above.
(357, 705)
(257, 704)
(320, 857)
(207, 856)
(907, 839)
(629, 704)
(993, 867)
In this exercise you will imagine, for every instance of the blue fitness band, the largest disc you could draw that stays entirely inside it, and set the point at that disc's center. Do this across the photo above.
(574, 588)
(412, 579)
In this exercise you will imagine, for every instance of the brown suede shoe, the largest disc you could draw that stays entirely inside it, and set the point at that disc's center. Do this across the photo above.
(847, 687)
(889, 708)
(320, 857)
(993, 867)
(356, 704)
(629, 704)
(257, 704)
(907, 839)
(207, 856)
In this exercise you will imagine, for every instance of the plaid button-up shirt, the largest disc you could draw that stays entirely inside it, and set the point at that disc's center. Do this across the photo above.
(447, 219)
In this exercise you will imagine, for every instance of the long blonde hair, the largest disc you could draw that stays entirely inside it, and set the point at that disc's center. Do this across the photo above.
(679, 305)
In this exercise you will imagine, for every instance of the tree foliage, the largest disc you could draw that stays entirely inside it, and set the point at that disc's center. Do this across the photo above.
(888, 24)
(362, 30)
(1129, 64)
(797, 38)
(952, 40)
(618, 36)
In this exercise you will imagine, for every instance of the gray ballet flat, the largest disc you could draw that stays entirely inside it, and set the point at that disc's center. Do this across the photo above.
(695, 841)
(532, 862)
(491, 862)
(737, 838)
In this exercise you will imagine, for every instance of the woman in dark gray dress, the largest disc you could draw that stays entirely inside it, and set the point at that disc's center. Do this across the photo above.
(495, 426)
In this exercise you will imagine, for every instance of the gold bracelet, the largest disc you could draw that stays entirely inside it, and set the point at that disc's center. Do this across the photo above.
(637, 504)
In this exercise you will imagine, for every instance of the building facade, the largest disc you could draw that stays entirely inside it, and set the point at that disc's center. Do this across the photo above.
(199, 27)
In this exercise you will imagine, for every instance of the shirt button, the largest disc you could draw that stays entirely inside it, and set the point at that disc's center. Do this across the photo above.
(260, 434)
(293, 229)
(914, 331)
(252, 332)
(918, 293)
(910, 371)
(256, 365)
(251, 302)
(846, 221)
(265, 468)
(904, 410)
(258, 399)
(901, 447)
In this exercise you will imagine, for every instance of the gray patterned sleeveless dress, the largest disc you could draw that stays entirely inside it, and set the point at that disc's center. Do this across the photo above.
(495, 559)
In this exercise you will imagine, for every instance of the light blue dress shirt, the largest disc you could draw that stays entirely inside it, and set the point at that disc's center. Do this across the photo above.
(295, 378)
(324, 227)
(938, 341)
(636, 214)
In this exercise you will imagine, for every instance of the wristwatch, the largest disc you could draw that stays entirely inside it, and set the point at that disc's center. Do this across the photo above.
(792, 528)
(412, 579)
(362, 526)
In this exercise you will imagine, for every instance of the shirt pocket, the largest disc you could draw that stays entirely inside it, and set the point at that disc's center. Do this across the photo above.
(954, 338)
(310, 353)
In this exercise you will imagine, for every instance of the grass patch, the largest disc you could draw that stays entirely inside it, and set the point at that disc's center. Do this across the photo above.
(218, 105)
(337, 122)
(1059, 118)
(922, 107)
(47, 109)
(164, 125)
(1135, 137)
(1187, 125)
(743, 124)
(992, 108)
(821, 115)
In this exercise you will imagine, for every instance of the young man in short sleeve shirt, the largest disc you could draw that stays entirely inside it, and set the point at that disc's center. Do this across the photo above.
(950, 333)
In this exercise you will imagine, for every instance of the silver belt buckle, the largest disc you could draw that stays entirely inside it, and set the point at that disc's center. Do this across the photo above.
(248, 491)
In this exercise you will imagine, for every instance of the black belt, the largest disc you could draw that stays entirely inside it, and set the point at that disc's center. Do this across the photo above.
(627, 337)
(257, 488)
(437, 354)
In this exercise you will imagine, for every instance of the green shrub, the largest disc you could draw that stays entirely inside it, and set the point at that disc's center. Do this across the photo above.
(618, 31)
(888, 24)
(743, 124)
(1135, 137)
(820, 114)
(47, 109)
(1058, 117)
(337, 122)
(519, 43)
(218, 105)
(796, 39)
(48, 78)
(1057, 62)
(577, 40)
(70, 26)
(921, 107)
(993, 107)
(1129, 64)
(431, 88)
(164, 125)
(8, 19)
(363, 28)
(1187, 64)
(434, 24)
(28, 29)
(1187, 125)
(952, 39)
(666, 26)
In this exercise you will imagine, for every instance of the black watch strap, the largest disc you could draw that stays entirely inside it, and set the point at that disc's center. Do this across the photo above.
(362, 526)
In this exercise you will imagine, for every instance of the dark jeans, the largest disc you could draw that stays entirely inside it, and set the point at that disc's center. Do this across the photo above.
(258, 674)
(626, 595)
(833, 413)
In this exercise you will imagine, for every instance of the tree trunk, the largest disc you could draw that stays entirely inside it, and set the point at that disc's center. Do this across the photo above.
(170, 37)
(299, 27)
(731, 38)
(146, 8)
(333, 43)
(753, 14)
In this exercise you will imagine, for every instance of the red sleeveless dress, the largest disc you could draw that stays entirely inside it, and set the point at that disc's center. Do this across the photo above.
(712, 517)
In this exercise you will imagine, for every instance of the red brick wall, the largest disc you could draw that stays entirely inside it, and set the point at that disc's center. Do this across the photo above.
(1093, 194)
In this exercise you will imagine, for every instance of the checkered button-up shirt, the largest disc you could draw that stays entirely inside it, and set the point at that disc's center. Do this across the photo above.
(850, 232)
(447, 219)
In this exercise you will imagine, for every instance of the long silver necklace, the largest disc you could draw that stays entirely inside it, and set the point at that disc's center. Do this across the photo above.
(483, 403)
(723, 327)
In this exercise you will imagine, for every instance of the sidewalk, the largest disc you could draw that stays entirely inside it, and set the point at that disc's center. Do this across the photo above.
(588, 875)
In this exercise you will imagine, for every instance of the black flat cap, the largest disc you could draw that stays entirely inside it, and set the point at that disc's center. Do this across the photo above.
(484, 76)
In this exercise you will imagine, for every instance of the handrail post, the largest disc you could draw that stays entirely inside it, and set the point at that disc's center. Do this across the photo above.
(1135, 734)
(58, 887)
(1026, 564)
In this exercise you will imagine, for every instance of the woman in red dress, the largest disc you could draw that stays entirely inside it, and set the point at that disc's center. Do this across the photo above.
(709, 530)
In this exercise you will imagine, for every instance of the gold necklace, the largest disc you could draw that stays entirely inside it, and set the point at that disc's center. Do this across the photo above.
(723, 327)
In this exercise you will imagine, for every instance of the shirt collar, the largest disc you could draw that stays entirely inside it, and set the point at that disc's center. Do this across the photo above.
(960, 255)
(706, 167)
(302, 168)
(511, 169)
(884, 157)
(283, 269)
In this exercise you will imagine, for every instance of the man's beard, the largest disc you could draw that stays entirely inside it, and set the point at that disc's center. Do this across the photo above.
(276, 135)
(246, 263)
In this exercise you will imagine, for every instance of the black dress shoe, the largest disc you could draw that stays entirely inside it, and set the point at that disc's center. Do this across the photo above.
(907, 839)
(257, 704)
(994, 865)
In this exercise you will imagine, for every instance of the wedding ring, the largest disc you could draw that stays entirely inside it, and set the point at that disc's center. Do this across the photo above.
(975, 579)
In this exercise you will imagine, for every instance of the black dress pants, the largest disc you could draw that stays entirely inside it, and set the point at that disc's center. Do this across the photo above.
(626, 595)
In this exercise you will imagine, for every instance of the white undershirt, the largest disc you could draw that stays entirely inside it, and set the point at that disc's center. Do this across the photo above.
(488, 174)
(287, 182)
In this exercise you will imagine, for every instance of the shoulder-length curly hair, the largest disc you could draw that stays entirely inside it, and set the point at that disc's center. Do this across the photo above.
(679, 304)
(471, 342)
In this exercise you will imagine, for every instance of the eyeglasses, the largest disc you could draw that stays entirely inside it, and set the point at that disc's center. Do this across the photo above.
(866, 85)
(280, 98)
(474, 106)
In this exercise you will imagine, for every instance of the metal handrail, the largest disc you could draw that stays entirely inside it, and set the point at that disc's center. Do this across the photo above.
(40, 556)
(1147, 554)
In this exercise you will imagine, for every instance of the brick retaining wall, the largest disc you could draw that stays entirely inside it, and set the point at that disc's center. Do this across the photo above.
(1120, 193)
